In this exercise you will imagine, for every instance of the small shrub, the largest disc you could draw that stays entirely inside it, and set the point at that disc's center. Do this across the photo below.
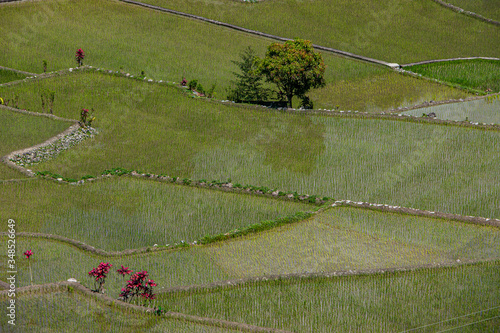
(85, 118)
(100, 273)
(79, 56)
(211, 91)
(192, 84)
(199, 88)
(139, 286)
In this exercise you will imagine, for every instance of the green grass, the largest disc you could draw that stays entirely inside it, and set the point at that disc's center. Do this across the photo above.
(136, 40)
(349, 238)
(485, 110)
(383, 30)
(7, 76)
(473, 74)
(124, 213)
(382, 92)
(19, 131)
(72, 312)
(386, 303)
(489, 9)
(156, 129)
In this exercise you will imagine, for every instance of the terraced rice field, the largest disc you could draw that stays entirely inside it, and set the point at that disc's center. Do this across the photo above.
(236, 254)
(145, 214)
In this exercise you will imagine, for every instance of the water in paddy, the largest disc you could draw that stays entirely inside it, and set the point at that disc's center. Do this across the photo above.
(480, 111)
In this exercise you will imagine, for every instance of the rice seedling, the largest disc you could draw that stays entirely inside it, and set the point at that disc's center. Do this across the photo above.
(19, 131)
(72, 312)
(427, 300)
(54, 261)
(478, 74)
(382, 30)
(156, 129)
(350, 239)
(124, 213)
(480, 111)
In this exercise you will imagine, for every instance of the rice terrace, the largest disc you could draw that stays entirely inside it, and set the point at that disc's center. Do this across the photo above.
(250, 166)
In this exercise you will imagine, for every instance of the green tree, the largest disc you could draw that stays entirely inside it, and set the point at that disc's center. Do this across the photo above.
(249, 85)
(294, 67)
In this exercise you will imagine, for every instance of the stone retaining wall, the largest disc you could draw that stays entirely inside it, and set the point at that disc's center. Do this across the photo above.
(7, 158)
(111, 302)
(418, 212)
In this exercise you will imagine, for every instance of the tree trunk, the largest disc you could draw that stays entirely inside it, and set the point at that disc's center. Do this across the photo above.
(289, 97)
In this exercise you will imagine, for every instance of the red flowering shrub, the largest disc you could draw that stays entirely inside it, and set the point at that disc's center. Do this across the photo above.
(28, 254)
(124, 271)
(139, 286)
(85, 118)
(79, 56)
(100, 273)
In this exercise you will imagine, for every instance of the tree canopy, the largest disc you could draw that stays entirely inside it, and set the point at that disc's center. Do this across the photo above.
(294, 67)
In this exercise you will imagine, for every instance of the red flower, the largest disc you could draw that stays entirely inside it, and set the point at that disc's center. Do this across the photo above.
(79, 56)
(28, 254)
(124, 271)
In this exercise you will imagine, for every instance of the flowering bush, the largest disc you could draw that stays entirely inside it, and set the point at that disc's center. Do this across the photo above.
(85, 118)
(28, 254)
(79, 56)
(139, 286)
(124, 271)
(100, 273)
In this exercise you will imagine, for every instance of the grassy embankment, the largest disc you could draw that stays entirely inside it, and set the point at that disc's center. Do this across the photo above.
(8, 76)
(167, 47)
